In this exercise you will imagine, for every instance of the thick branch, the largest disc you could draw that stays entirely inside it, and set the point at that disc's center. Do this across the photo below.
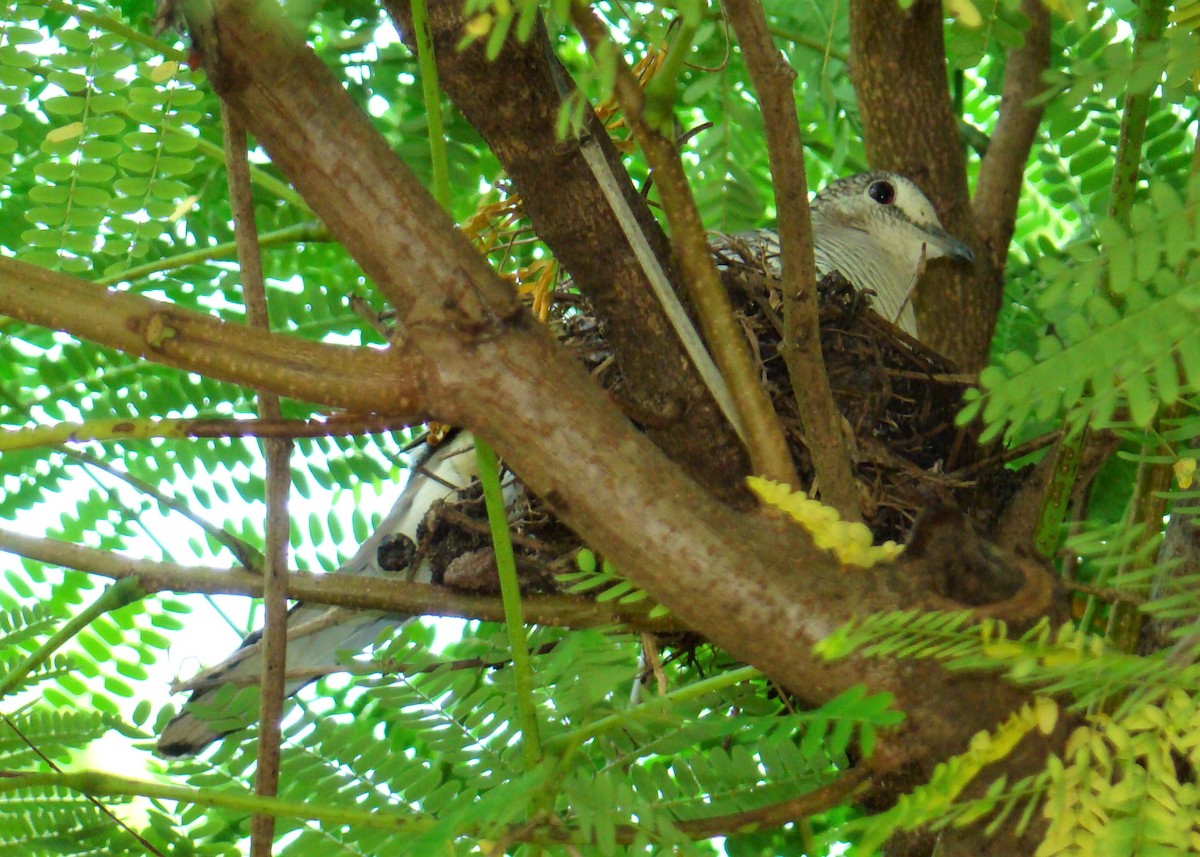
(769, 455)
(1002, 169)
(898, 65)
(357, 379)
(820, 417)
(582, 203)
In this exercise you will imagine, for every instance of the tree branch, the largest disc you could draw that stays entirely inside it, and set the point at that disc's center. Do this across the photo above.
(277, 454)
(127, 429)
(582, 203)
(769, 455)
(1002, 169)
(820, 418)
(354, 592)
(358, 379)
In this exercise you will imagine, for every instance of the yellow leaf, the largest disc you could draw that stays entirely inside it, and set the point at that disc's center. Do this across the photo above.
(163, 72)
(479, 26)
(965, 12)
(65, 132)
(1046, 710)
(1185, 471)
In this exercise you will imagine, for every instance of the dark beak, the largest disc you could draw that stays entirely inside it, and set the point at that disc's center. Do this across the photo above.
(942, 243)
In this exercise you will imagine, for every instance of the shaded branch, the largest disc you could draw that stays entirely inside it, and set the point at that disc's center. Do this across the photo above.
(769, 454)
(820, 418)
(356, 592)
(1002, 168)
(358, 379)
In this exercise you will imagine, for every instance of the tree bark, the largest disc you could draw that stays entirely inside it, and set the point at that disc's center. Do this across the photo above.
(514, 101)
(898, 65)
(753, 585)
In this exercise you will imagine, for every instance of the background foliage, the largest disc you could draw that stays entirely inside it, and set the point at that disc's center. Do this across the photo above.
(113, 170)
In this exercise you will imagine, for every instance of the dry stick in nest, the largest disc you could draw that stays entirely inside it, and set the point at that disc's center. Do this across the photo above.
(899, 397)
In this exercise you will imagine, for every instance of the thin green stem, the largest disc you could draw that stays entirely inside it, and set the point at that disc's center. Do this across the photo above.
(662, 88)
(510, 595)
(295, 234)
(489, 467)
(112, 598)
(1149, 26)
(651, 708)
(433, 105)
(100, 784)
(111, 25)
(1151, 21)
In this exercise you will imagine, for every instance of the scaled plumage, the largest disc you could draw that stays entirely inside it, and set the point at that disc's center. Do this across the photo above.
(873, 228)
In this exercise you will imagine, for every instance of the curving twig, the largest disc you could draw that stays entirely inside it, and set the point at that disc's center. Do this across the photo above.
(820, 418)
(764, 436)
(1002, 168)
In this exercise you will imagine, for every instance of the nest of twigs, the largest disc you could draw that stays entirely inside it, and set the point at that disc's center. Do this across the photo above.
(898, 397)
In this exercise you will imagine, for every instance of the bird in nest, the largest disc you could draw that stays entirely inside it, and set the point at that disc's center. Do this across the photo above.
(876, 229)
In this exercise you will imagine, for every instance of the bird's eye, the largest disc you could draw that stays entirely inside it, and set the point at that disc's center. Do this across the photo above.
(882, 192)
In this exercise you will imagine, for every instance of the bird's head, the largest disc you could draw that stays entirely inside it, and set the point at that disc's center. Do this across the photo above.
(890, 212)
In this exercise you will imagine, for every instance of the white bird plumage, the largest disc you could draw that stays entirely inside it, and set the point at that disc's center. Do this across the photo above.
(874, 228)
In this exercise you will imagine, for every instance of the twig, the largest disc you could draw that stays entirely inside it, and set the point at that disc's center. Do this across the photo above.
(1003, 456)
(403, 821)
(244, 552)
(359, 592)
(819, 416)
(277, 453)
(778, 814)
(1002, 169)
(141, 840)
(295, 234)
(399, 820)
(112, 598)
(124, 429)
(765, 440)
(361, 668)
(470, 524)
